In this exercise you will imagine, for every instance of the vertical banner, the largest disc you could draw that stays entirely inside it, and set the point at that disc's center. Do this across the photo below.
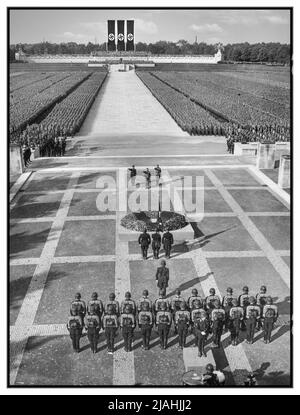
(111, 45)
(121, 36)
(130, 35)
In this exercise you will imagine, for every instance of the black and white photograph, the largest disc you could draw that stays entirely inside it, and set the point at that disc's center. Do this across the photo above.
(149, 195)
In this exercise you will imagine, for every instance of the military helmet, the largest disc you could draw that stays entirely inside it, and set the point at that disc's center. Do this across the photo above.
(177, 291)
(162, 262)
(209, 368)
(195, 291)
(229, 290)
(94, 296)
(145, 293)
(263, 288)
(127, 295)
(245, 289)
(77, 296)
(212, 291)
(112, 296)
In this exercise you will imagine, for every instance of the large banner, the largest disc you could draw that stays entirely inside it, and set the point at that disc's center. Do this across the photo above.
(121, 35)
(111, 45)
(130, 35)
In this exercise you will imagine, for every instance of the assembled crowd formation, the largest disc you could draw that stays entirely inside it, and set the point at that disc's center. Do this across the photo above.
(201, 316)
(250, 134)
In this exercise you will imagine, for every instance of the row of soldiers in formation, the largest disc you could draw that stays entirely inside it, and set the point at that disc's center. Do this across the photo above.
(146, 174)
(267, 133)
(145, 240)
(201, 316)
(54, 147)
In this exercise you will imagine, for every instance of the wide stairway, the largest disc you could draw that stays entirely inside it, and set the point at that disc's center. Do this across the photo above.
(125, 105)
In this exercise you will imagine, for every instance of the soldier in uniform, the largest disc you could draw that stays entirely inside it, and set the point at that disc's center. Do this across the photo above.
(218, 319)
(97, 305)
(201, 330)
(270, 315)
(144, 300)
(147, 175)
(244, 302)
(75, 327)
(252, 316)
(161, 300)
(227, 304)
(114, 303)
(163, 322)
(156, 243)
(157, 170)
(162, 276)
(167, 241)
(211, 299)
(80, 306)
(127, 324)
(193, 298)
(196, 314)
(110, 326)
(92, 325)
(132, 174)
(261, 300)
(144, 240)
(176, 302)
(236, 315)
(145, 322)
(128, 302)
(182, 321)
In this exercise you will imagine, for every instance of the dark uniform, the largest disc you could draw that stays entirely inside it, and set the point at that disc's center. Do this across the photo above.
(236, 315)
(162, 277)
(210, 300)
(145, 322)
(201, 330)
(144, 240)
(182, 321)
(132, 174)
(127, 324)
(147, 175)
(157, 170)
(128, 302)
(156, 243)
(79, 306)
(114, 303)
(177, 303)
(75, 327)
(158, 303)
(244, 302)
(163, 322)
(92, 325)
(167, 241)
(261, 301)
(110, 326)
(97, 305)
(194, 297)
(144, 300)
(218, 319)
(252, 316)
(270, 315)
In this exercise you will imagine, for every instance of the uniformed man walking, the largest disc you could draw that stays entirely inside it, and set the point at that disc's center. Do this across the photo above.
(110, 325)
(201, 330)
(75, 327)
(127, 324)
(270, 315)
(144, 241)
(163, 322)
(167, 241)
(252, 317)
(145, 322)
(162, 276)
(236, 316)
(182, 322)
(132, 174)
(156, 243)
(79, 305)
(218, 319)
(92, 325)
(147, 175)
(157, 170)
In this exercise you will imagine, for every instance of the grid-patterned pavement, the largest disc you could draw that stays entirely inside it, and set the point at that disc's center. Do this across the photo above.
(61, 244)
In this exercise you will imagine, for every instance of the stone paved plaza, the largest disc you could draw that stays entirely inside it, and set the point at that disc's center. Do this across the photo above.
(60, 243)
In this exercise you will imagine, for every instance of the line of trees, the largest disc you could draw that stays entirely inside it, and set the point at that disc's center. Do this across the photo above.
(238, 52)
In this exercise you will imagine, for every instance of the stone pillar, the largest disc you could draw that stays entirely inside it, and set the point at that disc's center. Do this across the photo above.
(284, 175)
(265, 156)
(16, 163)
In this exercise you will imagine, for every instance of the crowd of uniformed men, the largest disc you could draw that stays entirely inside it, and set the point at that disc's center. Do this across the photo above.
(200, 316)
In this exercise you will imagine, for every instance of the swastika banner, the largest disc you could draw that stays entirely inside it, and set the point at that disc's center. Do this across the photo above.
(121, 35)
(130, 35)
(111, 44)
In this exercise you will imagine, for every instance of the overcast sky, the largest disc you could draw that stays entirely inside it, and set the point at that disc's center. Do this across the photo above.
(211, 26)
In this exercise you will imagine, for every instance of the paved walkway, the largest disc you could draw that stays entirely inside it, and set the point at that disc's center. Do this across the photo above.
(125, 105)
